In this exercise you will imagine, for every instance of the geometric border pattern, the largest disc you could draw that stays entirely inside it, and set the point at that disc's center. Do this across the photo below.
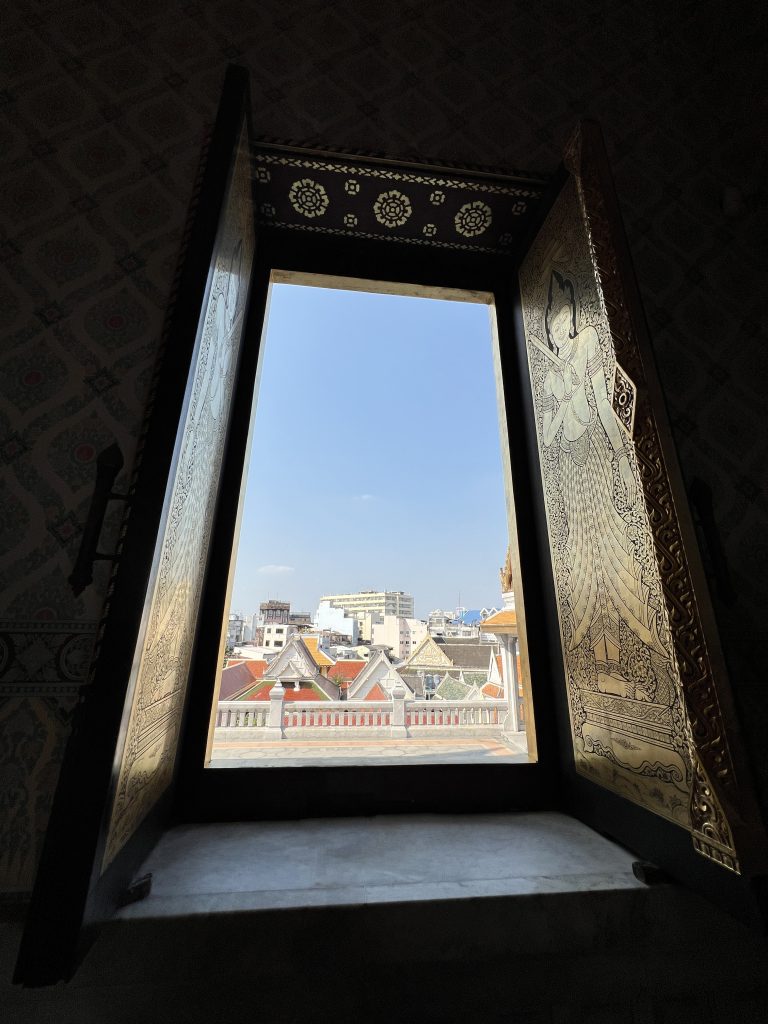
(44, 658)
(347, 196)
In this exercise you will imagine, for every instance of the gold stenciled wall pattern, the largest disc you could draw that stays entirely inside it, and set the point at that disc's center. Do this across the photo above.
(102, 115)
(630, 732)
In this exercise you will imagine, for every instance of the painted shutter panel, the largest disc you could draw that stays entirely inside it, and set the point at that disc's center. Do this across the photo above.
(120, 764)
(649, 704)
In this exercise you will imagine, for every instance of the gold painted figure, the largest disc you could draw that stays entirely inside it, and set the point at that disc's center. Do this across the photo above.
(606, 585)
(624, 693)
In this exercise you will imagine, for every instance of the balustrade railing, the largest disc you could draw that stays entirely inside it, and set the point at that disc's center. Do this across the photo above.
(407, 715)
(241, 714)
(336, 714)
(455, 713)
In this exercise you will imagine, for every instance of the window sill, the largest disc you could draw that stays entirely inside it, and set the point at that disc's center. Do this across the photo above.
(257, 866)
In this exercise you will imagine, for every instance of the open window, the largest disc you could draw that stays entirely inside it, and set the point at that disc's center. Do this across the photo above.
(634, 726)
(378, 450)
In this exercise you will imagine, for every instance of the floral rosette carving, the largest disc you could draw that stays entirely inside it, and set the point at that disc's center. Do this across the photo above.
(473, 218)
(308, 198)
(392, 208)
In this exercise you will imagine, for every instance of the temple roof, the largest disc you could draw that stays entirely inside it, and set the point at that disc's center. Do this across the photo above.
(415, 683)
(347, 669)
(236, 677)
(320, 658)
(452, 689)
(493, 691)
(467, 654)
(504, 621)
(310, 691)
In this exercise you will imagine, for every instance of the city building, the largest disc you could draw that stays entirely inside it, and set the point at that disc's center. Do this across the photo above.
(301, 619)
(360, 652)
(370, 607)
(276, 635)
(437, 622)
(332, 617)
(279, 613)
(250, 651)
(460, 630)
(236, 627)
(401, 635)
(463, 622)
(274, 611)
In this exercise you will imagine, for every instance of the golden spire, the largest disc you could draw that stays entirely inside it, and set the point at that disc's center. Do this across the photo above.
(505, 574)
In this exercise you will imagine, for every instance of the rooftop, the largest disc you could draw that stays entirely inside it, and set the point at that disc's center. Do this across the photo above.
(238, 675)
(503, 621)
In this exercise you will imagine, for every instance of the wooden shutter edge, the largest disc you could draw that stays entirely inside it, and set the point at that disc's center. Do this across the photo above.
(726, 823)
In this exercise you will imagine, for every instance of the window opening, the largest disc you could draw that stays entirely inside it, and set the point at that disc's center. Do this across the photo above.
(376, 527)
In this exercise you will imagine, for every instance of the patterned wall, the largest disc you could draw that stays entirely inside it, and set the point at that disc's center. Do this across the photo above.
(102, 111)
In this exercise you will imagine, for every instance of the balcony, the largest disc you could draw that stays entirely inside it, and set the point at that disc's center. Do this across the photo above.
(309, 733)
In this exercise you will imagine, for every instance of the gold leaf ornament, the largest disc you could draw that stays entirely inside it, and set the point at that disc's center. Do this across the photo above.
(392, 209)
(308, 198)
(473, 218)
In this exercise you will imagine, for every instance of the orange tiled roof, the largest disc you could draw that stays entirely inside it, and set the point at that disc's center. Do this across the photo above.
(506, 618)
(310, 693)
(498, 665)
(238, 675)
(347, 669)
(319, 657)
(492, 690)
(376, 693)
(261, 692)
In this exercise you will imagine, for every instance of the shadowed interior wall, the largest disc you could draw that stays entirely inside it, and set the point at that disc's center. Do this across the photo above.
(103, 108)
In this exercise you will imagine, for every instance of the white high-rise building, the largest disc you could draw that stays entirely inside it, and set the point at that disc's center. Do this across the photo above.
(330, 616)
(235, 629)
(381, 602)
(370, 606)
(403, 635)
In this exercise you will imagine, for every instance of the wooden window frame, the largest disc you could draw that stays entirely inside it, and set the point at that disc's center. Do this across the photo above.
(204, 794)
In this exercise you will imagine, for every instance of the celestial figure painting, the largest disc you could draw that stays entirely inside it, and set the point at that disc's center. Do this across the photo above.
(629, 727)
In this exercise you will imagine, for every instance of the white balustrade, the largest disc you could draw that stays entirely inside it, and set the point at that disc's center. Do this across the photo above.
(336, 714)
(392, 717)
(241, 714)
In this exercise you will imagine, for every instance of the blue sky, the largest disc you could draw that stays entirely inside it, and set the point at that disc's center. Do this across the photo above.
(375, 462)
